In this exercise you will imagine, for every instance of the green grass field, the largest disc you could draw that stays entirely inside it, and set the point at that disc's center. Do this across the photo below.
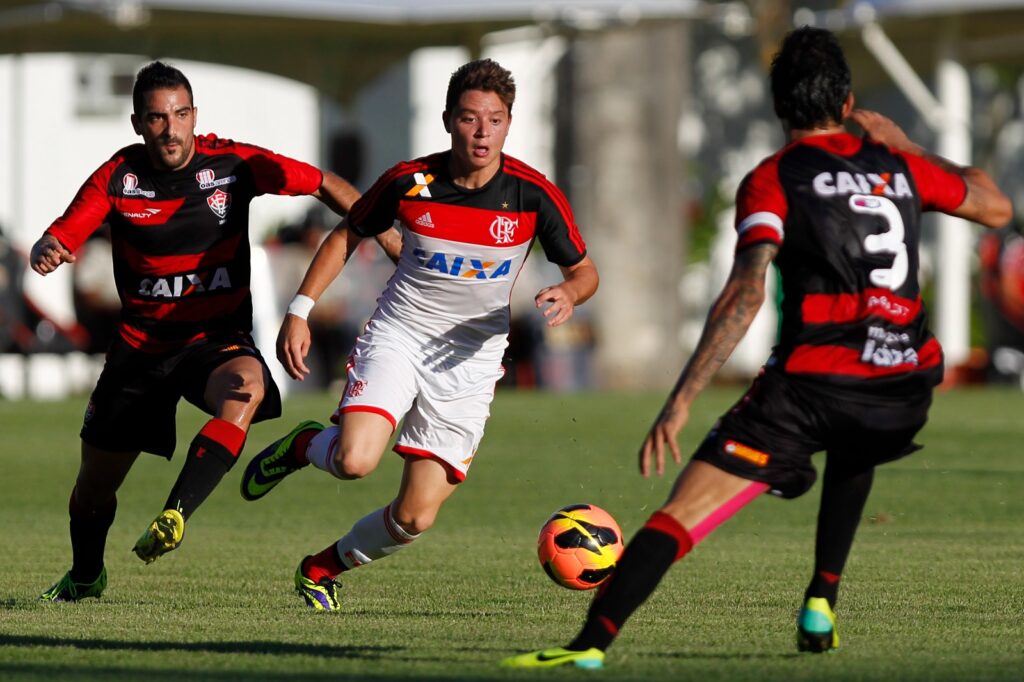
(934, 589)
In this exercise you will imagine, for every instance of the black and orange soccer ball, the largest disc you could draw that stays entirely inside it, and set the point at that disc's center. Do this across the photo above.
(579, 546)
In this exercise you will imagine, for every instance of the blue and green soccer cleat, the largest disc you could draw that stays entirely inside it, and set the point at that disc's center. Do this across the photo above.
(273, 463)
(67, 590)
(163, 535)
(591, 659)
(322, 595)
(816, 627)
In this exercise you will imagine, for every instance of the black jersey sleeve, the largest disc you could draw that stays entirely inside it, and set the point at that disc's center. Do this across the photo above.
(556, 228)
(377, 210)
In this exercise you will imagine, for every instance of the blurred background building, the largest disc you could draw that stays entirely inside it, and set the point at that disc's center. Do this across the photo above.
(647, 114)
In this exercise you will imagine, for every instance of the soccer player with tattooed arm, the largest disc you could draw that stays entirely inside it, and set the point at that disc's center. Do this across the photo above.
(855, 365)
(431, 353)
(178, 208)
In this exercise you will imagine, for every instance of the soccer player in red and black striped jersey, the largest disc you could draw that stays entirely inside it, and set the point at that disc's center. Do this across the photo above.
(431, 353)
(854, 369)
(178, 208)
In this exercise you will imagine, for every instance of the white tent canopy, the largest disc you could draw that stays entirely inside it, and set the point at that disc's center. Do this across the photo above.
(335, 45)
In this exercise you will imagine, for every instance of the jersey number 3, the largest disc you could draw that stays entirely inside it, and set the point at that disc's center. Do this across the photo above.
(890, 241)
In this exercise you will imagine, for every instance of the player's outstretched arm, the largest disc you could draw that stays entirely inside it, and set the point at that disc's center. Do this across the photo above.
(579, 283)
(391, 241)
(727, 322)
(293, 340)
(336, 193)
(339, 196)
(984, 202)
(48, 254)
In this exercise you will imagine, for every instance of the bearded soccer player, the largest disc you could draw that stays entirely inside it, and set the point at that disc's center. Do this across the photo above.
(431, 353)
(854, 369)
(178, 207)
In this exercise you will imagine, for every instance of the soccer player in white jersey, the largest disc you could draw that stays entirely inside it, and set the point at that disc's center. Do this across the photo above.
(431, 353)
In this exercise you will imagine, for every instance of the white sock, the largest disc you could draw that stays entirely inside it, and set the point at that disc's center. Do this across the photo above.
(321, 449)
(374, 536)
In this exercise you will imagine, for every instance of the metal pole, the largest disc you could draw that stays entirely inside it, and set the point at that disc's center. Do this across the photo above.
(954, 244)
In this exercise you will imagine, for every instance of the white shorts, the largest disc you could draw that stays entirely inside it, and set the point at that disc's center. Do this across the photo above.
(443, 405)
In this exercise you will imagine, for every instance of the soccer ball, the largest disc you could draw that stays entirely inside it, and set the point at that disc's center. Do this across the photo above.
(579, 546)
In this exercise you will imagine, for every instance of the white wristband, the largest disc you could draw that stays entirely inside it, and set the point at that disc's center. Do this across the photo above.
(300, 306)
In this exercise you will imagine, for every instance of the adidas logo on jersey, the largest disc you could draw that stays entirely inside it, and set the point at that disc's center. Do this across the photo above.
(425, 220)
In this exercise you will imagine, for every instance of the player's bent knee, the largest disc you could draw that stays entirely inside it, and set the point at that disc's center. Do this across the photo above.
(91, 495)
(350, 465)
(415, 523)
(255, 390)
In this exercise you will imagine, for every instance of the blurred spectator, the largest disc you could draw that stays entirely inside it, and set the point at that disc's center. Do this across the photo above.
(97, 304)
(1002, 286)
(342, 310)
(24, 326)
(538, 356)
(15, 335)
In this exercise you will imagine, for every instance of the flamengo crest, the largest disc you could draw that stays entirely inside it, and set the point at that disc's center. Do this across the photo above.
(503, 229)
(219, 202)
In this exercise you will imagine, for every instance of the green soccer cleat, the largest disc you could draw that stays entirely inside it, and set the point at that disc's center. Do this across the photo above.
(163, 535)
(273, 463)
(816, 627)
(67, 590)
(591, 659)
(322, 595)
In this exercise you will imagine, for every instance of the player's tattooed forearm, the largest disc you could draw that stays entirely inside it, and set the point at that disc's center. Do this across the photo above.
(730, 317)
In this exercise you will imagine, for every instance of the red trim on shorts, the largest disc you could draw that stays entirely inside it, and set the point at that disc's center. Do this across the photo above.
(370, 408)
(227, 434)
(427, 454)
(664, 523)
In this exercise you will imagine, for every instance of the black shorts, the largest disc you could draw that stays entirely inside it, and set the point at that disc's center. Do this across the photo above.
(771, 433)
(133, 405)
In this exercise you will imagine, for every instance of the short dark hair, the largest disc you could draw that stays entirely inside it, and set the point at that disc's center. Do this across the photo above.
(810, 79)
(482, 74)
(157, 76)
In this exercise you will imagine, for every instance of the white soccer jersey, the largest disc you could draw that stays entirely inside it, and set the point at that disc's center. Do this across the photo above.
(462, 251)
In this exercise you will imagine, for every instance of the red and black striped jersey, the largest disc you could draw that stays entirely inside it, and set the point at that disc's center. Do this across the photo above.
(181, 238)
(846, 214)
(462, 249)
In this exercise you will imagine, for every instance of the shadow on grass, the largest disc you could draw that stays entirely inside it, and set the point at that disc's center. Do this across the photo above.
(28, 672)
(745, 656)
(679, 655)
(252, 647)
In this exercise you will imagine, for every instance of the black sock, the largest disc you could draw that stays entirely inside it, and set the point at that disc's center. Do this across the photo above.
(843, 497)
(646, 560)
(211, 454)
(89, 538)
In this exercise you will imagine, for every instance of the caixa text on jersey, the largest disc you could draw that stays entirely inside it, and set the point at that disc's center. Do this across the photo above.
(462, 266)
(188, 284)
